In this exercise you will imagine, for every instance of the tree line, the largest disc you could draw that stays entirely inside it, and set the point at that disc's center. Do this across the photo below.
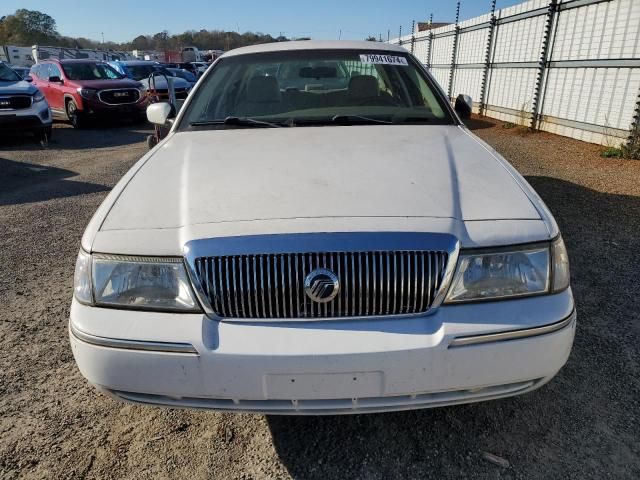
(30, 27)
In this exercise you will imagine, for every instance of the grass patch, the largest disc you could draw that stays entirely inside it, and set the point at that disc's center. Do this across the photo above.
(612, 152)
(622, 152)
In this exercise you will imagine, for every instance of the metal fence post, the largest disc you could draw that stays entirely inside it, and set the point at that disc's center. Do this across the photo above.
(487, 59)
(413, 36)
(455, 48)
(430, 41)
(545, 54)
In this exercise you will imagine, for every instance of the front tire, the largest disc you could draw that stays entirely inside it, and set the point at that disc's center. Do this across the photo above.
(74, 115)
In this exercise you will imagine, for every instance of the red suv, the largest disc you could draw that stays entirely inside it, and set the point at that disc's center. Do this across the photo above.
(82, 89)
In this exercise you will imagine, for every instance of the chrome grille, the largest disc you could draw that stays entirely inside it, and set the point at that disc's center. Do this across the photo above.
(271, 286)
(15, 102)
(121, 96)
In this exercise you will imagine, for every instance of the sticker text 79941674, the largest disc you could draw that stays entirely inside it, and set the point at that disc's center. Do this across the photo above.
(383, 59)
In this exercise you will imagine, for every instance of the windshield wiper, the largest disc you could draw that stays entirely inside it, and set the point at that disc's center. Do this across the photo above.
(239, 121)
(413, 120)
(351, 119)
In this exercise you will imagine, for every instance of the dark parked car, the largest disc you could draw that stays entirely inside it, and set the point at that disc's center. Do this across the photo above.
(82, 89)
(184, 74)
(22, 71)
(142, 70)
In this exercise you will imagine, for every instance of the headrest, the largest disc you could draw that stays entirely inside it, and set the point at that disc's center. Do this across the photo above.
(263, 90)
(363, 86)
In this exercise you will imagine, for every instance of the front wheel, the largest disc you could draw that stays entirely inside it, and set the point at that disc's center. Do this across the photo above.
(74, 116)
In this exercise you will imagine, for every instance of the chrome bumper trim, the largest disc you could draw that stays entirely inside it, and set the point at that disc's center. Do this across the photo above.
(512, 334)
(164, 347)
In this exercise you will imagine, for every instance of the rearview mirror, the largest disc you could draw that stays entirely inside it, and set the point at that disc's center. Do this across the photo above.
(28, 78)
(55, 79)
(160, 113)
(464, 106)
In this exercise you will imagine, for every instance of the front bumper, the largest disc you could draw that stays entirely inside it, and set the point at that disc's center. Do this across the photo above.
(36, 117)
(98, 109)
(324, 367)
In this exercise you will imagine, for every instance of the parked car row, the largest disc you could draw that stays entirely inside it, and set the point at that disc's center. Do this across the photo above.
(84, 89)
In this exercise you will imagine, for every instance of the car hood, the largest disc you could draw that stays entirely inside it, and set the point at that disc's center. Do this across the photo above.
(18, 87)
(249, 175)
(107, 84)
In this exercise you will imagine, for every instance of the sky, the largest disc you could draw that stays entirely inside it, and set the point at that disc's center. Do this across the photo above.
(123, 20)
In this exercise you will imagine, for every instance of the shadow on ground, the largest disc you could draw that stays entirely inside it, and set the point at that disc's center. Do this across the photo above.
(22, 182)
(582, 424)
(477, 123)
(100, 134)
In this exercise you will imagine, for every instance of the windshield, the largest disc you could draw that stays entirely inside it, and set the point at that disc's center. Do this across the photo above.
(140, 72)
(90, 71)
(315, 87)
(8, 75)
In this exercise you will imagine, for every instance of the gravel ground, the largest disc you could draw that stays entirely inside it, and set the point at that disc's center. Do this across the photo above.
(584, 424)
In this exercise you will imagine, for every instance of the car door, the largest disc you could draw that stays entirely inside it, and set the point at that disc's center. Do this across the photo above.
(40, 76)
(56, 89)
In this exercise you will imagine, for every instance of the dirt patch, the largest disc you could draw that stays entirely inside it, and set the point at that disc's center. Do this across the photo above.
(584, 424)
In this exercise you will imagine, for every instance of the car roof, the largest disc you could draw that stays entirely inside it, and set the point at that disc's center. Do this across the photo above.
(66, 61)
(135, 62)
(317, 45)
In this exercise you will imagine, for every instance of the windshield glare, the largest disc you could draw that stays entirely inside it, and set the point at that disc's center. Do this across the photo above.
(90, 71)
(8, 75)
(306, 87)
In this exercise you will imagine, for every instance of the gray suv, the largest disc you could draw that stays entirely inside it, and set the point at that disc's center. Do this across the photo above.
(22, 106)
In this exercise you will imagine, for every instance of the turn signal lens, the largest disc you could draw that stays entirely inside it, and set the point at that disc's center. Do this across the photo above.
(561, 273)
(82, 278)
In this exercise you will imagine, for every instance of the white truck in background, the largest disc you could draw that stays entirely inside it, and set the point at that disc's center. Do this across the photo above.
(191, 54)
(17, 56)
(40, 52)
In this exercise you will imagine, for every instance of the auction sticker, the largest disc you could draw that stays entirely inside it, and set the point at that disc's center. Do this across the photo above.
(378, 59)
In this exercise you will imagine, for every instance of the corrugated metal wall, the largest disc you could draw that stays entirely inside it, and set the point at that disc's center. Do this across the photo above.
(585, 87)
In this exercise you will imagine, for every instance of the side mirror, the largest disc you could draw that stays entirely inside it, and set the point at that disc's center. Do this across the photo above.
(160, 113)
(55, 79)
(28, 78)
(464, 106)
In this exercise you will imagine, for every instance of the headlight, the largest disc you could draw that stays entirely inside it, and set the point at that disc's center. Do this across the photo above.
(145, 283)
(87, 93)
(38, 97)
(501, 274)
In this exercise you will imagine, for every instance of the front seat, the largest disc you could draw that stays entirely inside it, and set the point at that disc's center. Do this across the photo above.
(362, 87)
(262, 97)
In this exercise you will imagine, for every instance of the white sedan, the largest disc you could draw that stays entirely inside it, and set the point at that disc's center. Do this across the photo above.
(319, 234)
